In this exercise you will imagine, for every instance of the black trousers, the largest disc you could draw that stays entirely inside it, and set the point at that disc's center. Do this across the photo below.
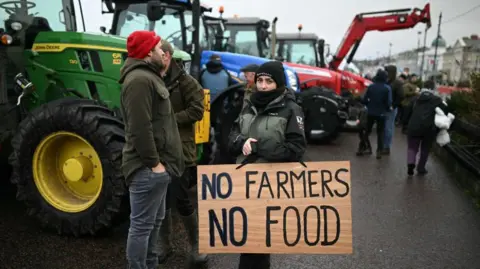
(364, 143)
(254, 261)
(177, 193)
(380, 122)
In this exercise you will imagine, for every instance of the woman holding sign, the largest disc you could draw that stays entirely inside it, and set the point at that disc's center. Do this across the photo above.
(269, 129)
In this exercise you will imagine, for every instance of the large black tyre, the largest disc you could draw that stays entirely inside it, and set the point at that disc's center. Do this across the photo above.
(321, 111)
(225, 110)
(96, 124)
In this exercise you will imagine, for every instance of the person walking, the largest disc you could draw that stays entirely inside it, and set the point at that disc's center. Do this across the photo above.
(396, 85)
(187, 97)
(152, 152)
(364, 147)
(378, 99)
(410, 90)
(421, 128)
(270, 128)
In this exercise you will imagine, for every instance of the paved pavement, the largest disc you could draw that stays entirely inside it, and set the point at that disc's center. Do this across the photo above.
(397, 223)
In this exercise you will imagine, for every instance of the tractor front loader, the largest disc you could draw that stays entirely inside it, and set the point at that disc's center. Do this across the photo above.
(59, 100)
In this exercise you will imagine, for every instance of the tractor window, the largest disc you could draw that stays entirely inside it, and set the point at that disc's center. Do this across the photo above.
(203, 33)
(168, 27)
(301, 52)
(242, 41)
(50, 14)
(132, 23)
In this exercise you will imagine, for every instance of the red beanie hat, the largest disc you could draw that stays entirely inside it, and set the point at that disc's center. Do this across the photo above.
(140, 43)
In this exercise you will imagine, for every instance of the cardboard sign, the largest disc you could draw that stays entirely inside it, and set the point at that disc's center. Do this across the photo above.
(275, 208)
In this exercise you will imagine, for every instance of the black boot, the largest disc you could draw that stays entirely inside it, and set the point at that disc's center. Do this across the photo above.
(422, 171)
(191, 225)
(386, 151)
(164, 240)
(411, 168)
(361, 149)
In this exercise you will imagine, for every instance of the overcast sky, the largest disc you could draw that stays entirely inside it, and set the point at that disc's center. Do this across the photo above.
(330, 19)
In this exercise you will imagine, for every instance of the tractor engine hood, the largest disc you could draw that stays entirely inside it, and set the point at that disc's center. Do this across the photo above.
(59, 41)
(234, 62)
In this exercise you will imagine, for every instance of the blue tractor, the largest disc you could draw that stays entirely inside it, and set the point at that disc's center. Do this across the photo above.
(184, 24)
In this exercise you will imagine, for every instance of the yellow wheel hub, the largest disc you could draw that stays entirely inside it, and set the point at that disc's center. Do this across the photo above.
(67, 172)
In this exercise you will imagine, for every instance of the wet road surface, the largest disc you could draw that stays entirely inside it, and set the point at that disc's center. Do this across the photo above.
(397, 223)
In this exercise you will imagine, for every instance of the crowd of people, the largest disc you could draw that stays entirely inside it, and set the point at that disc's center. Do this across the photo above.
(396, 100)
(160, 104)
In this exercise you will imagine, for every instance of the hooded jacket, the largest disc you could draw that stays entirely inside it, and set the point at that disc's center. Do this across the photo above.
(187, 98)
(378, 96)
(421, 114)
(152, 135)
(396, 85)
(279, 129)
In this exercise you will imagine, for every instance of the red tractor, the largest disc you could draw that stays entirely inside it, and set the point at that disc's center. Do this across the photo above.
(304, 52)
(314, 72)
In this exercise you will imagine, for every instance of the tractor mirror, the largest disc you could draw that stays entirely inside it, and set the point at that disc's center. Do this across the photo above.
(155, 10)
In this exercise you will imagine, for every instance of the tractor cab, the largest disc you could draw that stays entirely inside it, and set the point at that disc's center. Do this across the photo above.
(300, 48)
(247, 36)
(173, 20)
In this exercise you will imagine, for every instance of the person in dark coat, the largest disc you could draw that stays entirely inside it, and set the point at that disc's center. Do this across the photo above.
(269, 129)
(152, 154)
(187, 99)
(396, 84)
(364, 147)
(421, 129)
(378, 99)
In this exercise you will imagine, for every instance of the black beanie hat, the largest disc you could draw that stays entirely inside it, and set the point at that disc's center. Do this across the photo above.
(273, 69)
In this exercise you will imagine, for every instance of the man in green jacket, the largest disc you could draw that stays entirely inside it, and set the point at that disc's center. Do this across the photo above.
(187, 97)
(152, 152)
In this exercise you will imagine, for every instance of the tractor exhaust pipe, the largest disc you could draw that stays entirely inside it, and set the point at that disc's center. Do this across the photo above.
(321, 52)
(274, 37)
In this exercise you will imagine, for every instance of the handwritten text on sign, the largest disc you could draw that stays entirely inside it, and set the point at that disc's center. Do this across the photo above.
(275, 208)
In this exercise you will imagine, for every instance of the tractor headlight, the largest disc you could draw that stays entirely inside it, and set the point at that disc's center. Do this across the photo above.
(292, 80)
(16, 26)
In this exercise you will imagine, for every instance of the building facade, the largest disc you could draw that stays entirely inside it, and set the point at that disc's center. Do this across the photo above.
(463, 58)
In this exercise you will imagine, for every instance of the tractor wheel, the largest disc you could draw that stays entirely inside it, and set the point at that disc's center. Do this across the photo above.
(66, 161)
(224, 111)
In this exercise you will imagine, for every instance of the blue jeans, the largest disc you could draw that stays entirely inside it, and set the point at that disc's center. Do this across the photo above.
(148, 192)
(389, 128)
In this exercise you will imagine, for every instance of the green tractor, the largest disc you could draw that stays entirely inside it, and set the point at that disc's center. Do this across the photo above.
(59, 114)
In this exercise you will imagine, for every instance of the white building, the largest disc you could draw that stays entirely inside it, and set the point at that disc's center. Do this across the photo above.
(462, 58)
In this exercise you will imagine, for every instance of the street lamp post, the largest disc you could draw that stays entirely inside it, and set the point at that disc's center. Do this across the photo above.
(418, 52)
(423, 52)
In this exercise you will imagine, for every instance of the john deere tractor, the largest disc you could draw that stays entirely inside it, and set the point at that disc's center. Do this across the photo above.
(59, 116)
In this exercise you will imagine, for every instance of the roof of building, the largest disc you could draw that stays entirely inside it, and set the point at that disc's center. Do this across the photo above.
(473, 41)
(439, 42)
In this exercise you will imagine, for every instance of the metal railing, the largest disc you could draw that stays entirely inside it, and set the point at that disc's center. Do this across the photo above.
(466, 153)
